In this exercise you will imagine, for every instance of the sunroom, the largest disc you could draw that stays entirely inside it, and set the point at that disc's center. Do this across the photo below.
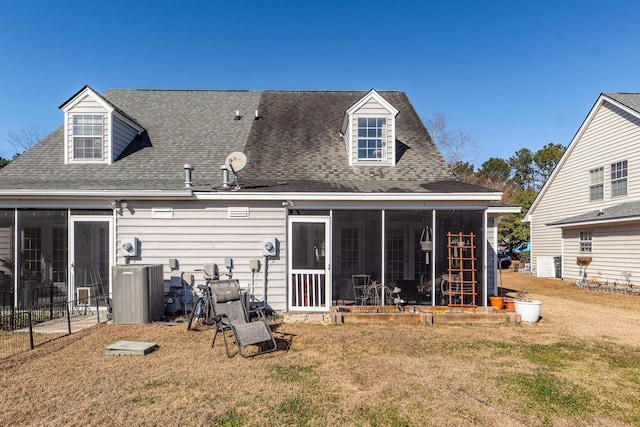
(383, 257)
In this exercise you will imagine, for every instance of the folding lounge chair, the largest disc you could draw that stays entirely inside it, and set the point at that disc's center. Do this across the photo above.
(230, 314)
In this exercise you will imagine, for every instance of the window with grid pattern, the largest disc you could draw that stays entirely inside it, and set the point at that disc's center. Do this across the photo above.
(586, 242)
(619, 179)
(87, 136)
(395, 254)
(596, 184)
(372, 139)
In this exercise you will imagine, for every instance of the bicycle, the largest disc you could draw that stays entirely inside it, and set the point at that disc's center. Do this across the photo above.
(201, 308)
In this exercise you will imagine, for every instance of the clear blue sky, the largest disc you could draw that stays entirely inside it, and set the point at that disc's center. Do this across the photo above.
(514, 73)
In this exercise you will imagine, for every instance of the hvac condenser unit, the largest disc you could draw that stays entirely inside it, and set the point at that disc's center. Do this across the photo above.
(138, 293)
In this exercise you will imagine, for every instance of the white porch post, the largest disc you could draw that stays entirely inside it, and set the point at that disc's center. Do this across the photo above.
(384, 256)
(484, 257)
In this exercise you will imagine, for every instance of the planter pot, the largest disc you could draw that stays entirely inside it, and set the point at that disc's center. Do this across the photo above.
(508, 304)
(496, 302)
(529, 311)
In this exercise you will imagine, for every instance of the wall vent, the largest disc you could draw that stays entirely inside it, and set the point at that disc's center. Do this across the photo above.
(162, 213)
(238, 212)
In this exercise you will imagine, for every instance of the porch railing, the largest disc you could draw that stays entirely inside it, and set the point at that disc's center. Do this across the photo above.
(309, 289)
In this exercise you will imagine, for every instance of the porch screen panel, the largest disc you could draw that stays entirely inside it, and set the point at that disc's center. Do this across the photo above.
(308, 241)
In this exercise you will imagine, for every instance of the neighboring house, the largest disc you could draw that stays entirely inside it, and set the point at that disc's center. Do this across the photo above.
(590, 206)
(341, 183)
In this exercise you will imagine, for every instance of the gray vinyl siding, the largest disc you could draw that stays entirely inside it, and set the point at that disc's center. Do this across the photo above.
(372, 109)
(200, 233)
(612, 135)
(88, 106)
(123, 134)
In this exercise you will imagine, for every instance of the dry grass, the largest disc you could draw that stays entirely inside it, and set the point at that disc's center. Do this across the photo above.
(578, 365)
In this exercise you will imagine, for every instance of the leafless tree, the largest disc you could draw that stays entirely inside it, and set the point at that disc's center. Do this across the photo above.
(24, 138)
(456, 145)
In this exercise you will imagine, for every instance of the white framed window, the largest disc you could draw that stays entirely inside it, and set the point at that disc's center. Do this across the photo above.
(586, 239)
(596, 184)
(87, 136)
(619, 179)
(372, 139)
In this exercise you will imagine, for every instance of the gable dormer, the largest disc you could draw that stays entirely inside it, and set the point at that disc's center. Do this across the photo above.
(95, 131)
(369, 129)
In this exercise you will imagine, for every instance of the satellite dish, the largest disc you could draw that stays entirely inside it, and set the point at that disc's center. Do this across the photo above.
(237, 160)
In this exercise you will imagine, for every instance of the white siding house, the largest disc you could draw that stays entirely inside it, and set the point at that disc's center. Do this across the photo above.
(590, 206)
(344, 183)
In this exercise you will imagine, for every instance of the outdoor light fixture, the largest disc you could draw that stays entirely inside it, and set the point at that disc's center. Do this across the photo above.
(119, 204)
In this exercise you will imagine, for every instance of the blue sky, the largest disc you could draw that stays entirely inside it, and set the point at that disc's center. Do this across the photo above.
(514, 73)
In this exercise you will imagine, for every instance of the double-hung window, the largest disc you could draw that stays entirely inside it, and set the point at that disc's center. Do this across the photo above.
(372, 139)
(596, 184)
(585, 242)
(619, 179)
(87, 136)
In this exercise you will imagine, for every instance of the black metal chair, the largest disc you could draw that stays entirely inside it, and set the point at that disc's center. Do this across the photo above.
(230, 314)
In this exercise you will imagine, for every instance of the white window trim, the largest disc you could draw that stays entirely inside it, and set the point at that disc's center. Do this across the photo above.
(599, 183)
(624, 178)
(384, 145)
(99, 137)
(585, 238)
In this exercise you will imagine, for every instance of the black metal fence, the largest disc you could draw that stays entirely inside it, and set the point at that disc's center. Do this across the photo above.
(24, 329)
(32, 296)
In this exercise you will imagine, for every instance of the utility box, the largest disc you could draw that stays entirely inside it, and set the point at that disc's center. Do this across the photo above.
(557, 260)
(138, 293)
(130, 246)
(269, 246)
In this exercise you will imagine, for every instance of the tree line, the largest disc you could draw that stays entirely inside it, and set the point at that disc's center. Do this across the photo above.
(519, 177)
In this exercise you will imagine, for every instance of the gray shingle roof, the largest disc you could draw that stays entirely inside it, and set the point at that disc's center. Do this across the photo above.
(617, 212)
(631, 100)
(295, 146)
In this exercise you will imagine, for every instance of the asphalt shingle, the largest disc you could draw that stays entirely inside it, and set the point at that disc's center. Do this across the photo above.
(294, 146)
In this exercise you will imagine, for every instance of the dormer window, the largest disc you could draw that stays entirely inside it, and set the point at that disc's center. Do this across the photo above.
(87, 136)
(95, 131)
(372, 138)
(369, 131)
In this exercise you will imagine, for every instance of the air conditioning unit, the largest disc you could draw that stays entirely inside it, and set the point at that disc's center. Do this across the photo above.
(138, 293)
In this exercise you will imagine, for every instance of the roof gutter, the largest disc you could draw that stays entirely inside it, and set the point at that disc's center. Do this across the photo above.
(503, 210)
(257, 196)
(350, 196)
(595, 222)
(95, 194)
